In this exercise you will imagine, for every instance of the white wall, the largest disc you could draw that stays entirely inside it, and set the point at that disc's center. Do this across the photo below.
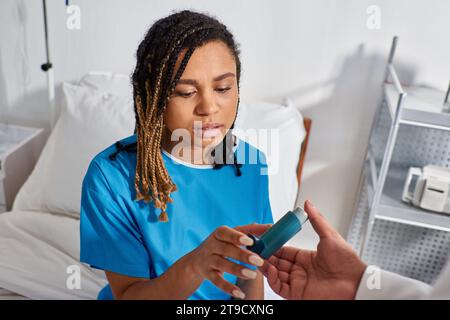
(318, 53)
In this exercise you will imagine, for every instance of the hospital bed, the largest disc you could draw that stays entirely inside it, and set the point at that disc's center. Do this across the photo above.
(39, 236)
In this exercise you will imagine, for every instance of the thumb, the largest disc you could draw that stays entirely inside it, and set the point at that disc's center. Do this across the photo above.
(318, 222)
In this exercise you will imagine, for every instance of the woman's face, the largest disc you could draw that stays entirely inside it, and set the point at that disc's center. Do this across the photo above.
(204, 102)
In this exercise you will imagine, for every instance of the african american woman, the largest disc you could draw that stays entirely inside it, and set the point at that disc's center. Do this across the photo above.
(167, 219)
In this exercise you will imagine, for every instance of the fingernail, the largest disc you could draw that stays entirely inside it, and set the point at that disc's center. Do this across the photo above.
(255, 260)
(249, 273)
(309, 203)
(238, 294)
(246, 241)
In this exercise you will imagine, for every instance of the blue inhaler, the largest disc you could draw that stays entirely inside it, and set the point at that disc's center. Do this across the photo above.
(280, 233)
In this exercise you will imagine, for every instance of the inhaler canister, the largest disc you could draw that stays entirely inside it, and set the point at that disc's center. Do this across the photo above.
(280, 233)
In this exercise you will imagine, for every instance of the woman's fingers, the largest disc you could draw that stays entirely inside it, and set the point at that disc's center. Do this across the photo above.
(222, 264)
(227, 234)
(224, 243)
(228, 244)
(231, 251)
(254, 228)
(238, 235)
(217, 279)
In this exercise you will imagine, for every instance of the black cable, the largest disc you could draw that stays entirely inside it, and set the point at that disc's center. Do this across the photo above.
(46, 66)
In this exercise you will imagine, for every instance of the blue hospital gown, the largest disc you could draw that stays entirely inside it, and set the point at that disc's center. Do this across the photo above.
(124, 236)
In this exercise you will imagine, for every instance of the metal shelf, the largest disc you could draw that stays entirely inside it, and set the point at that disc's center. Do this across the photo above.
(421, 106)
(392, 208)
(410, 129)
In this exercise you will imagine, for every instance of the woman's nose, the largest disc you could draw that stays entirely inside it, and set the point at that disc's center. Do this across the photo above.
(207, 105)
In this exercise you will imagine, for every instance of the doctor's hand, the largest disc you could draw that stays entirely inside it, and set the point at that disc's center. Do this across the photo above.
(332, 272)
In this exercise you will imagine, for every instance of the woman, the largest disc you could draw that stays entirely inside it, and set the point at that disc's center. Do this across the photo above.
(160, 220)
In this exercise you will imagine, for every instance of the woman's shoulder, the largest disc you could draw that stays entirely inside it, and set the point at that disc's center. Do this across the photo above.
(110, 165)
(119, 147)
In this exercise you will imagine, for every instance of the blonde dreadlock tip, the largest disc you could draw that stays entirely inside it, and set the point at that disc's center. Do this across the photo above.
(158, 203)
(163, 217)
(167, 188)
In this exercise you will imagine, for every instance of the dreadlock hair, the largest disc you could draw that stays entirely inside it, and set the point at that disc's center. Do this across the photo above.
(154, 80)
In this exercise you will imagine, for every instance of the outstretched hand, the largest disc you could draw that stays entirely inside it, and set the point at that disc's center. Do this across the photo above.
(332, 272)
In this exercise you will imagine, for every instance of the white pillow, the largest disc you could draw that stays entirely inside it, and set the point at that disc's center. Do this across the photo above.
(90, 121)
(113, 83)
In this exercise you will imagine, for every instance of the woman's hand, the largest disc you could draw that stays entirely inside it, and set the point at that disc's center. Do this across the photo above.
(332, 272)
(210, 259)
(187, 274)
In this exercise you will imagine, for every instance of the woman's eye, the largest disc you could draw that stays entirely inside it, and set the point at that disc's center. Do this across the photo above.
(185, 94)
(223, 90)
(189, 94)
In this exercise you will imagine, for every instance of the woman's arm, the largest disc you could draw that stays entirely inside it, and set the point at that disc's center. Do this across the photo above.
(208, 261)
(179, 276)
(253, 288)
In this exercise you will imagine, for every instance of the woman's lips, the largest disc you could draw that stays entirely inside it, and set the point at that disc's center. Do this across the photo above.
(210, 130)
(211, 133)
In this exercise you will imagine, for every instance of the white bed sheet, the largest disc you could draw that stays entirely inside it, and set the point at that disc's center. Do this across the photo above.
(9, 295)
(36, 250)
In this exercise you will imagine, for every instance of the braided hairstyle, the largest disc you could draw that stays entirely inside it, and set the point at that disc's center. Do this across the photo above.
(154, 80)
